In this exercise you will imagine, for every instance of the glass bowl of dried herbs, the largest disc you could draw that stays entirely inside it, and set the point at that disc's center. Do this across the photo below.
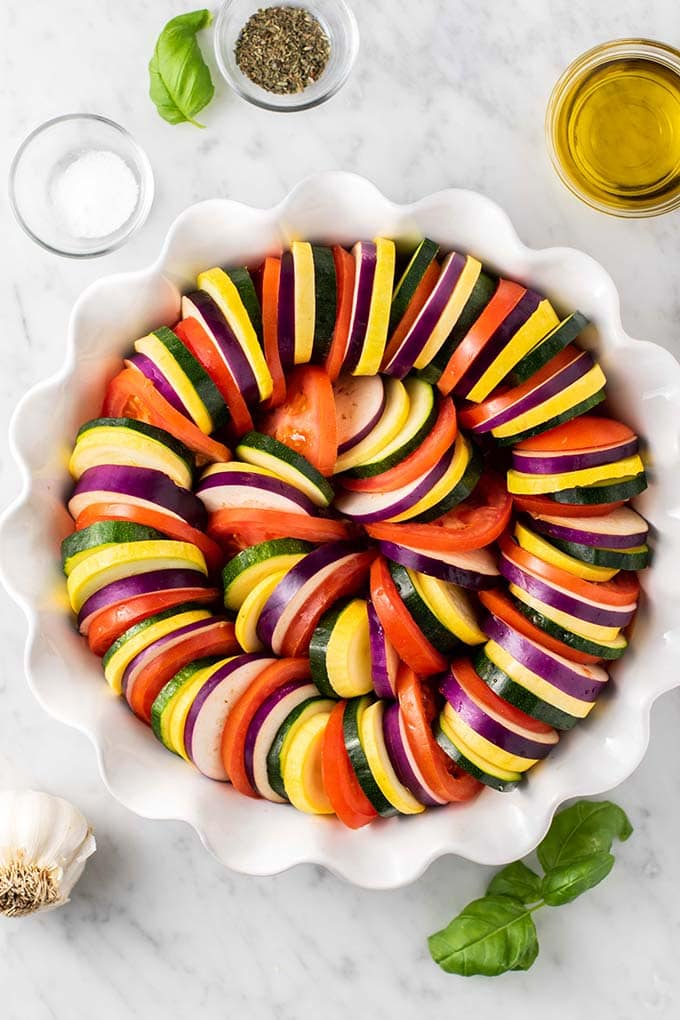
(286, 56)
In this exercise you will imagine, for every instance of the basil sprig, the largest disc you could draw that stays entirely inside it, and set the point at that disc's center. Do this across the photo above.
(497, 933)
(179, 78)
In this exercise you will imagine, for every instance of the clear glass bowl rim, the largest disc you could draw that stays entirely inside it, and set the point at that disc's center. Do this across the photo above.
(649, 49)
(146, 172)
(304, 104)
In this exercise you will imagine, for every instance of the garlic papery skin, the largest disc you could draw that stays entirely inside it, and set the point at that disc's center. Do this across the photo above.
(44, 843)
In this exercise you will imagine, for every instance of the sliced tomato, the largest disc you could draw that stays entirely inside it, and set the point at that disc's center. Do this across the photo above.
(399, 626)
(543, 505)
(348, 800)
(107, 626)
(434, 446)
(272, 677)
(622, 590)
(500, 604)
(415, 306)
(505, 297)
(132, 395)
(153, 677)
(236, 528)
(193, 336)
(418, 706)
(481, 692)
(471, 525)
(306, 420)
(171, 526)
(344, 275)
(271, 275)
(347, 579)
(589, 432)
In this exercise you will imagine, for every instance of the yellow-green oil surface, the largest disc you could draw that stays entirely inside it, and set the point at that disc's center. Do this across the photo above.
(617, 134)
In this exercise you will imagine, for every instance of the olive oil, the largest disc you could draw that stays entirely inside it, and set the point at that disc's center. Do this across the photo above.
(616, 132)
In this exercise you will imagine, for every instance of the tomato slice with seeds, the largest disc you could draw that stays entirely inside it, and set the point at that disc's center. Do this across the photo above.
(348, 800)
(273, 676)
(306, 420)
(400, 627)
(132, 395)
(236, 528)
(418, 706)
(473, 524)
(108, 625)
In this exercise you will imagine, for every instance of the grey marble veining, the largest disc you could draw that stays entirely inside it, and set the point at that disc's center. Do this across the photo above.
(444, 93)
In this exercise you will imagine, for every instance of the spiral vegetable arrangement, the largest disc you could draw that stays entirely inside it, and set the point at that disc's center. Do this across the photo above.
(419, 534)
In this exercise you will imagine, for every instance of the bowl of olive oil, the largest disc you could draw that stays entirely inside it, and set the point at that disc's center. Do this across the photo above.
(613, 127)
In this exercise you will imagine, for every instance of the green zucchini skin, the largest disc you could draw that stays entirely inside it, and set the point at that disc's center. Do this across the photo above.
(604, 492)
(419, 263)
(105, 533)
(433, 629)
(558, 338)
(620, 559)
(573, 412)
(520, 697)
(568, 637)
(462, 490)
(325, 301)
(318, 647)
(207, 392)
(274, 774)
(358, 759)
(457, 756)
(482, 292)
(243, 282)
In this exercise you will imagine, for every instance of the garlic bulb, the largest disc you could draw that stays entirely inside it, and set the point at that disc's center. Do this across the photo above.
(44, 843)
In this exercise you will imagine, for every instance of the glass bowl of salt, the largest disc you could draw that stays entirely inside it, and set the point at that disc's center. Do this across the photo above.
(80, 185)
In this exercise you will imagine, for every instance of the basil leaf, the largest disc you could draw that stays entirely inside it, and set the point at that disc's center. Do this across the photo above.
(518, 881)
(180, 83)
(490, 936)
(562, 885)
(585, 828)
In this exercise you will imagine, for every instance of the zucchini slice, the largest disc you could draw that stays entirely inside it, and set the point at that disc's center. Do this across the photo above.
(288, 465)
(339, 653)
(245, 570)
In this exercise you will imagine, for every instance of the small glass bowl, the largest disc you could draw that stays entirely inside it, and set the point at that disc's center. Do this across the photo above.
(618, 49)
(41, 160)
(337, 20)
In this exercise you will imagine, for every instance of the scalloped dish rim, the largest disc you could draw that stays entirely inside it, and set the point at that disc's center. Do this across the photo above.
(256, 837)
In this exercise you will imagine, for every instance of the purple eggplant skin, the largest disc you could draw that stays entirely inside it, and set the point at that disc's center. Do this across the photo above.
(258, 721)
(286, 311)
(514, 320)
(141, 483)
(138, 584)
(219, 479)
(582, 536)
(575, 370)
(366, 256)
(547, 593)
(416, 491)
(436, 567)
(142, 363)
(379, 671)
(394, 743)
(585, 684)
(201, 306)
(488, 727)
(405, 357)
(558, 463)
(294, 579)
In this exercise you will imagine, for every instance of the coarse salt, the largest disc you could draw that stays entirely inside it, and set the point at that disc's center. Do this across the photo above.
(96, 194)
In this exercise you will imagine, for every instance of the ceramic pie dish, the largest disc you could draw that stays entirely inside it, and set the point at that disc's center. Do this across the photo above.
(256, 837)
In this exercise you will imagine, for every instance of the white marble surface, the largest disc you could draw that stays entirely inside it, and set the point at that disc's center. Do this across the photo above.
(444, 93)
